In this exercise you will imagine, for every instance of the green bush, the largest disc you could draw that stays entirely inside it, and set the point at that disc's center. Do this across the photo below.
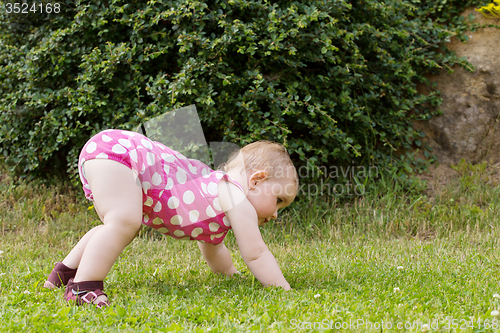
(335, 81)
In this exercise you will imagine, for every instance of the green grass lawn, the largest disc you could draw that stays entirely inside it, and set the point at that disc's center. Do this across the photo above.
(386, 263)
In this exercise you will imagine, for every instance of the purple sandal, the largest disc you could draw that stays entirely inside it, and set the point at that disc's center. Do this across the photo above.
(85, 292)
(59, 276)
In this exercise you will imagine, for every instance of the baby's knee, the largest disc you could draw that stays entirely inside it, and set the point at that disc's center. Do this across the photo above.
(126, 223)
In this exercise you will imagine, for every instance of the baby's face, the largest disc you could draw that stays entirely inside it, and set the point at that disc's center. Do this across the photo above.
(269, 196)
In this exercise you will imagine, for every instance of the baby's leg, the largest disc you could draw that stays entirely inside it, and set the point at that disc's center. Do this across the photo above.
(72, 260)
(118, 200)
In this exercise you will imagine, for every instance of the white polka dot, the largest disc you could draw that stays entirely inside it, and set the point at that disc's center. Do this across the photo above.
(125, 143)
(193, 216)
(179, 233)
(196, 232)
(193, 169)
(212, 188)
(84, 176)
(133, 155)
(146, 218)
(176, 220)
(167, 169)
(102, 155)
(173, 202)
(87, 186)
(150, 157)
(217, 204)
(205, 173)
(213, 227)
(146, 186)
(146, 143)
(168, 157)
(156, 179)
(118, 149)
(157, 207)
(149, 201)
(188, 197)
(170, 184)
(161, 193)
(163, 230)
(106, 138)
(180, 156)
(210, 212)
(128, 133)
(181, 176)
(91, 147)
(219, 175)
(143, 169)
(226, 221)
(157, 221)
(185, 238)
(204, 187)
(212, 237)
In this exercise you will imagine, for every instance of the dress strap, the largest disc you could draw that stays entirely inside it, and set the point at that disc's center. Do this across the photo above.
(231, 180)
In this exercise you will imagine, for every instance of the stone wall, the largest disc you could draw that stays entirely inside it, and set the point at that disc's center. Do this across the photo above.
(469, 127)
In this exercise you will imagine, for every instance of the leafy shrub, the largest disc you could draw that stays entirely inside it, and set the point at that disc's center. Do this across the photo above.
(335, 81)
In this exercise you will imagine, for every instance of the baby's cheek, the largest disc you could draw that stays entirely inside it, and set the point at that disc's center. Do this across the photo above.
(276, 189)
(269, 209)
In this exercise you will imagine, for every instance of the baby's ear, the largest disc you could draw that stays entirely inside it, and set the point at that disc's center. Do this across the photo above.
(258, 176)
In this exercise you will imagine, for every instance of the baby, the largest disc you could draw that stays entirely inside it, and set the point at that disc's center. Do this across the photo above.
(133, 180)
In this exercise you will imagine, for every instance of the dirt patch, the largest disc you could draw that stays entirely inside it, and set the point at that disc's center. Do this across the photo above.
(440, 176)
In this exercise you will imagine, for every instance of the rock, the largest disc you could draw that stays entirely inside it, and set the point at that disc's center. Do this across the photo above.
(469, 127)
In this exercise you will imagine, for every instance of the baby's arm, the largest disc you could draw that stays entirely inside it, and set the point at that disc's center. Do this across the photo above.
(218, 258)
(244, 222)
(254, 251)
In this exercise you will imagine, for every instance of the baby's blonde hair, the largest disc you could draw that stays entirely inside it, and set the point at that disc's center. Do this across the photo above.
(263, 155)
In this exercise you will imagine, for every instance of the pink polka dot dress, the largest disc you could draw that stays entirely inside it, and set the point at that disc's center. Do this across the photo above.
(179, 194)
